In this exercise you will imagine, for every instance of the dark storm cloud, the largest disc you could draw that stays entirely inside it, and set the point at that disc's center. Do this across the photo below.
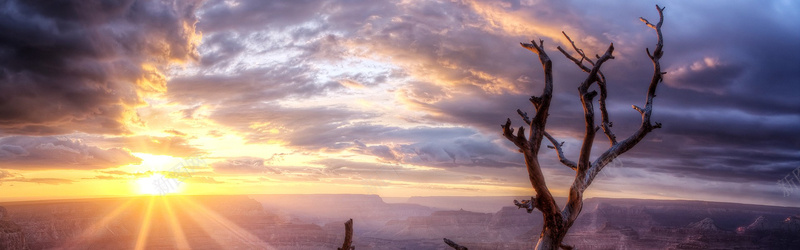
(82, 65)
(37, 153)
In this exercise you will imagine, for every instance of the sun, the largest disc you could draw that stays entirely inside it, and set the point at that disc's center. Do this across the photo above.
(162, 174)
(159, 184)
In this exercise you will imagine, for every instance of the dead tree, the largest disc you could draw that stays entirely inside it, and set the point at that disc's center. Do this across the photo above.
(348, 236)
(558, 221)
(454, 245)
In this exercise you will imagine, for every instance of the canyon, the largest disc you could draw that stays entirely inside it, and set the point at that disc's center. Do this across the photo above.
(316, 222)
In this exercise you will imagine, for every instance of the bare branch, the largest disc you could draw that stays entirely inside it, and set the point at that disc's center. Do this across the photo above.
(637, 108)
(561, 157)
(601, 83)
(518, 139)
(605, 122)
(580, 53)
(646, 126)
(585, 176)
(593, 73)
(348, 236)
(577, 61)
(647, 22)
(454, 245)
(526, 204)
(541, 103)
(588, 109)
(524, 116)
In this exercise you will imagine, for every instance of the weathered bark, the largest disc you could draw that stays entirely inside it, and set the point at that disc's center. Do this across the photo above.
(348, 236)
(557, 222)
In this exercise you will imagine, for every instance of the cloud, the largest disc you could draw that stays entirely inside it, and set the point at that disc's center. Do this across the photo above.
(175, 132)
(290, 73)
(176, 146)
(6, 176)
(707, 75)
(220, 48)
(115, 172)
(312, 128)
(220, 15)
(380, 174)
(337, 130)
(246, 165)
(202, 179)
(254, 85)
(49, 181)
(38, 153)
(106, 177)
(70, 66)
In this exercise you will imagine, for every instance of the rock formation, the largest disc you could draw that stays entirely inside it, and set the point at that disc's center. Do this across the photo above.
(706, 224)
(11, 235)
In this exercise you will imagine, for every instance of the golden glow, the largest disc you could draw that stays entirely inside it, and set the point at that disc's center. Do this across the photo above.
(156, 213)
(159, 184)
(156, 162)
(90, 233)
(515, 23)
(144, 230)
(211, 220)
(165, 175)
(175, 227)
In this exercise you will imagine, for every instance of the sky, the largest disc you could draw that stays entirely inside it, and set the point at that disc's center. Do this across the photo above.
(396, 98)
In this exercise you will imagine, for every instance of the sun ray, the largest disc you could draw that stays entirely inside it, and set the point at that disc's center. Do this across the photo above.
(200, 220)
(243, 235)
(175, 226)
(89, 233)
(144, 231)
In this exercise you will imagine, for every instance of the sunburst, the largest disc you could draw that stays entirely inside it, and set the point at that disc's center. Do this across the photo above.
(159, 184)
(168, 212)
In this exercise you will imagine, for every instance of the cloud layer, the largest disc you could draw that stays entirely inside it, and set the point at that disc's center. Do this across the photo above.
(356, 86)
(41, 153)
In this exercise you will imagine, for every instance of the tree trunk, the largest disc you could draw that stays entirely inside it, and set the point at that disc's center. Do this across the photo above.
(548, 240)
